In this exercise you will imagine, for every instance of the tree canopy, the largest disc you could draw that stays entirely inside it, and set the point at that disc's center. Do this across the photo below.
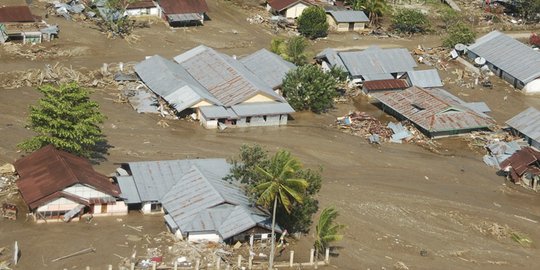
(312, 22)
(292, 49)
(327, 230)
(66, 118)
(375, 9)
(309, 88)
(459, 33)
(410, 21)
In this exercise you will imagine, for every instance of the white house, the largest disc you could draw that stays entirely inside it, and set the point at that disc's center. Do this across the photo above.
(58, 186)
(287, 8)
(143, 8)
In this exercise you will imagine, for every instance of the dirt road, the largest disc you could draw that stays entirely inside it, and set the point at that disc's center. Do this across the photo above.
(398, 201)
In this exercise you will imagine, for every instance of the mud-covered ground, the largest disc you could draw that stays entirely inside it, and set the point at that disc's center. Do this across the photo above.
(396, 200)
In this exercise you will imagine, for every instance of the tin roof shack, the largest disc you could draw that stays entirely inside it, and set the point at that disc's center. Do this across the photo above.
(370, 64)
(143, 8)
(527, 125)
(342, 20)
(57, 186)
(197, 202)
(287, 8)
(523, 168)
(435, 112)
(384, 86)
(17, 23)
(515, 62)
(183, 12)
(219, 89)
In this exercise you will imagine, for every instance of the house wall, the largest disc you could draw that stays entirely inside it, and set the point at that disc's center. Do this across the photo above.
(203, 236)
(143, 11)
(116, 209)
(208, 123)
(261, 120)
(259, 98)
(202, 103)
(60, 204)
(295, 11)
(85, 192)
(532, 87)
(325, 66)
(147, 208)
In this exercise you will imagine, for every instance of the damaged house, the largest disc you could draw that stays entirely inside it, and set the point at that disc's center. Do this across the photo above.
(58, 186)
(198, 205)
(183, 12)
(218, 89)
(435, 112)
(18, 24)
(287, 8)
(526, 124)
(523, 168)
(509, 59)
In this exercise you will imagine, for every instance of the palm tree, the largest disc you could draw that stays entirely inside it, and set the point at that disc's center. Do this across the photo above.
(278, 185)
(327, 230)
(374, 8)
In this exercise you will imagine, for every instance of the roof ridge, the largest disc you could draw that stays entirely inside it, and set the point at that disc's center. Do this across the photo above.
(195, 167)
(64, 162)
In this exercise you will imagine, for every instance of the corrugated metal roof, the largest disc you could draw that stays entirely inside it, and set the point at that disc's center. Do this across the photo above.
(187, 17)
(280, 5)
(183, 6)
(172, 82)
(527, 122)
(268, 66)
(348, 16)
(262, 108)
(128, 189)
(434, 110)
(521, 160)
(224, 77)
(425, 78)
(49, 170)
(154, 179)
(376, 60)
(381, 85)
(508, 54)
(479, 107)
(141, 4)
(332, 57)
(217, 112)
(377, 76)
(16, 14)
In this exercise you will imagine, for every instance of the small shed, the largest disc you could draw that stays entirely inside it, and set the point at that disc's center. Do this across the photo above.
(143, 8)
(344, 20)
(287, 8)
(182, 13)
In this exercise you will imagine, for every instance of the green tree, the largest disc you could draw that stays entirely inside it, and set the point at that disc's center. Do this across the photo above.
(529, 10)
(114, 20)
(278, 185)
(450, 17)
(327, 230)
(459, 33)
(312, 22)
(375, 9)
(292, 49)
(410, 21)
(309, 88)
(66, 118)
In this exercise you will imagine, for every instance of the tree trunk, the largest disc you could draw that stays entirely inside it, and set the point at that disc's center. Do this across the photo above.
(272, 250)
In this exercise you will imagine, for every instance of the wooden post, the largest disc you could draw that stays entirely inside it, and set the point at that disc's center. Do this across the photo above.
(327, 256)
(218, 263)
(175, 265)
(197, 264)
(291, 260)
(154, 265)
(239, 261)
(132, 267)
(250, 262)
(311, 256)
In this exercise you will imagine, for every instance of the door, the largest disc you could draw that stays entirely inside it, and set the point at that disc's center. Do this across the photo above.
(104, 208)
(351, 26)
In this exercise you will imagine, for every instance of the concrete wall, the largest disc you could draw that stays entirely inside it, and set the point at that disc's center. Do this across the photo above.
(295, 11)
(116, 209)
(147, 208)
(85, 192)
(344, 27)
(259, 98)
(60, 204)
(258, 121)
(208, 123)
(143, 11)
(203, 236)
(532, 87)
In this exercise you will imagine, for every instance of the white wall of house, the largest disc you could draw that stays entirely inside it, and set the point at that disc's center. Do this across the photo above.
(208, 123)
(203, 236)
(143, 11)
(532, 87)
(85, 192)
(60, 204)
(295, 11)
(147, 208)
(259, 98)
(116, 209)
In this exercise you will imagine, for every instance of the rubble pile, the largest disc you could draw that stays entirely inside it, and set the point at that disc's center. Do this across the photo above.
(364, 125)
(8, 189)
(35, 51)
(498, 145)
(5, 258)
(437, 57)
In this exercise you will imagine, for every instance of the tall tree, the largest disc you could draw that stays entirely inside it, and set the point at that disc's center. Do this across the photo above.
(312, 22)
(292, 49)
(279, 186)
(410, 21)
(66, 118)
(374, 8)
(327, 230)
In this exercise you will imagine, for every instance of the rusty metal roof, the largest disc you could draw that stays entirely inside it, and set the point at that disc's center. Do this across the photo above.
(183, 6)
(141, 4)
(381, 85)
(280, 5)
(433, 110)
(521, 160)
(16, 14)
(48, 170)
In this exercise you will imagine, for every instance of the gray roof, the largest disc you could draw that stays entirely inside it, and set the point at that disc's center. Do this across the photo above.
(186, 17)
(527, 122)
(377, 60)
(268, 66)
(224, 77)
(479, 107)
(425, 78)
(217, 112)
(378, 76)
(128, 189)
(332, 57)
(202, 201)
(153, 179)
(348, 16)
(173, 83)
(508, 54)
(262, 108)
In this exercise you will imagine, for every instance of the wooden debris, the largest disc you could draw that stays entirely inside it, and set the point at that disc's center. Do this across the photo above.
(80, 252)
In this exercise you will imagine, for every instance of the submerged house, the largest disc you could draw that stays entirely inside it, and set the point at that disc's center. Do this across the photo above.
(197, 203)
(523, 168)
(435, 112)
(428, 78)
(384, 85)
(219, 89)
(287, 8)
(17, 23)
(183, 12)
(143, 8)
(58, 186)
(342, 20)
(527, 125)
(373, 63)
(515, 62)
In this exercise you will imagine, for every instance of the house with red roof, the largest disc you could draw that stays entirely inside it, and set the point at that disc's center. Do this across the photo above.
(58, 186)
(17, 23)
(183, 12)
(287, 8)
